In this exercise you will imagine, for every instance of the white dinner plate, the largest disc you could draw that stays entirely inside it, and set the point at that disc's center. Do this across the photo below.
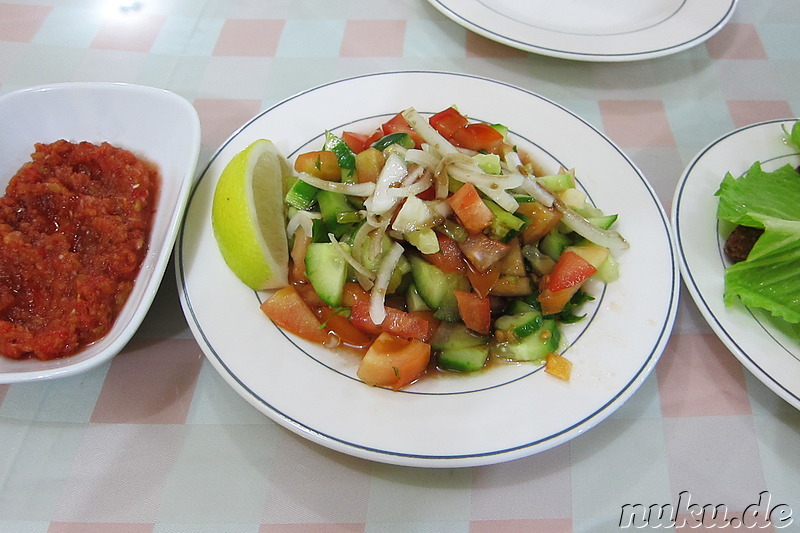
(504, 412)
(587, 30)
(768, 351)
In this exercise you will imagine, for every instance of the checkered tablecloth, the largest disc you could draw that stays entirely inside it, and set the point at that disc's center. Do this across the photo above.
(155, 441)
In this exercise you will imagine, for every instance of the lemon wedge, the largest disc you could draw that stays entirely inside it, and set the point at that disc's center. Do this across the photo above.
(248, 217)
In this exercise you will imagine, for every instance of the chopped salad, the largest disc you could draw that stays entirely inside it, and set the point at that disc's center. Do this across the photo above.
(431, 243)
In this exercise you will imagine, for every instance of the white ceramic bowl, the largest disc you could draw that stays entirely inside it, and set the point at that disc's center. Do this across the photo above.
(154, 124)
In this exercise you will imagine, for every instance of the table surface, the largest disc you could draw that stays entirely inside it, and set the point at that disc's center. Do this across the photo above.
(156, 441)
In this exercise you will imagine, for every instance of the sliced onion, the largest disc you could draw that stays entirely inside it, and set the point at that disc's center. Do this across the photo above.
(377, 298)
(353, 189)
(358, 267)
(441, 145)
(422, 158)
(393, 172)
(407, 191)
(492, 185)
(441, 208)
(304, 220)
(577, 223)
(539, 192)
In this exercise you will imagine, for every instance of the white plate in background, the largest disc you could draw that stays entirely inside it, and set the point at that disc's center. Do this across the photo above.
(771, 353)
(587, 30)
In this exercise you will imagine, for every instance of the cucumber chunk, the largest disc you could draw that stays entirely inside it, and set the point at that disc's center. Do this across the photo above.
(301, 195)
(436, 288)
(327, 271)
(414, 301)
(455, 335)
(604, 221)
(468, 359)
(532, 348)
(518, 326)
(553, 244)
(401, 138)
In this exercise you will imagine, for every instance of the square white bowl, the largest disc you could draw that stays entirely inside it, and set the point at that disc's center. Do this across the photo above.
(156, 125)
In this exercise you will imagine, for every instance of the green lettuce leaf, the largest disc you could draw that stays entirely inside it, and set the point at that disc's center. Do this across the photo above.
(770, 277)
(793, 136)
(759, 193)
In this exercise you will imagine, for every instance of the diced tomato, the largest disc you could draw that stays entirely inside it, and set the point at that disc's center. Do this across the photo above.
(428, 194)
(309, 295)
(554, 302)
(449, 121)
(399, 124)
(430, 319)
(407, 325)
(288, 310)
(397, 322)
(352, 293)
(344, 329)
(512, 285)
(359, 317)
(482, 282)
(571, 269)
(356, 141)
(323, 164)
(449, 257)
(482, 252)
(394, 362)
(475, 311)
(479, 137)
(470, 209)
(541, 220)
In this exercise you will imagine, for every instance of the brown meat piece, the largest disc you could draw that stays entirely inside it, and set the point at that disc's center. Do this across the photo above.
(740, 242)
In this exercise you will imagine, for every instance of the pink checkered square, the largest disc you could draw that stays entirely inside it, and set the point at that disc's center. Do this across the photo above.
(373, 38)
(637, 123)
(133, 32)
(249, 37)
(698, 376)
(20, 23)
(736, 41)
(221, 117)
(161, 376)
(744, 112)
(480, 46)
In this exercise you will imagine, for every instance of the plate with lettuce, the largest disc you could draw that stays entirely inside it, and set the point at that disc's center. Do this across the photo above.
(736, 219)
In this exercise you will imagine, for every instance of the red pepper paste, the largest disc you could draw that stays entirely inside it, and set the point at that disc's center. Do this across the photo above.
(74, 227)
